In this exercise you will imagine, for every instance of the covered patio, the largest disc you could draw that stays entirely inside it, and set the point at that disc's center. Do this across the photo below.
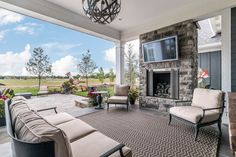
(145, 128)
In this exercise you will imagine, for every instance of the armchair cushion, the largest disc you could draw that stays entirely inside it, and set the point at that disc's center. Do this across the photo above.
(193, 114)
(122, 90)
(118, 100)
(205, 98)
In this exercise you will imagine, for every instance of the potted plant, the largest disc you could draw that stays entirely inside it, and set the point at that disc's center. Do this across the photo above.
(2, 113)
(4, 95)
(133, 95)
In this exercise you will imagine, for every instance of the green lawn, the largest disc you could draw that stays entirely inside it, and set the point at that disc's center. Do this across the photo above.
(15, 83)
(32, 90)
(31, 85)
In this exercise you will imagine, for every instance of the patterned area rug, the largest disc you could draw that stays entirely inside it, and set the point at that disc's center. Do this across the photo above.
(149, 135)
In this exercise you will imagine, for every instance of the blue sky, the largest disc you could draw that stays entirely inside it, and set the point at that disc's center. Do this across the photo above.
(20, 34)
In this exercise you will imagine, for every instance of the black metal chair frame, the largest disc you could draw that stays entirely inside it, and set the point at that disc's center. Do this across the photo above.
(199, 124)
(127, 103)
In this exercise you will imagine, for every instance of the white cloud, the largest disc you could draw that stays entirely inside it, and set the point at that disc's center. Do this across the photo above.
(29, 28)
(135, 47)
(110, 55)
(7, 17)
(64, 65)
(13, 63)
(59, 46)
(2, 35)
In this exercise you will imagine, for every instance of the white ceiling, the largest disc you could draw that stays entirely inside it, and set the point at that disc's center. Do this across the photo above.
(138, 16)
(140, 12)
(133, 12)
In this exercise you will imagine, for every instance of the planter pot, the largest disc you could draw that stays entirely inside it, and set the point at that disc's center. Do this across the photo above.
(2, 121)
(132, 101)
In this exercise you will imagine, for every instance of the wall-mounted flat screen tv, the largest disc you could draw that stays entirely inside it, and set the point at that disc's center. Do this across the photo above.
(165, 49)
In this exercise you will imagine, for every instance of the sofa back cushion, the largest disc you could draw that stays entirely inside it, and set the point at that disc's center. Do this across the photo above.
(31, 127)
(206, 98)
(18, 106)
(122, 90)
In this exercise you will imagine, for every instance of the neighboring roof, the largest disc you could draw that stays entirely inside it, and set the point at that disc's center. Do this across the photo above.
(208, 35)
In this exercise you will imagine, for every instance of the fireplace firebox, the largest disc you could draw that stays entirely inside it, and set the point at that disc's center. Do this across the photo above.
(163, 83)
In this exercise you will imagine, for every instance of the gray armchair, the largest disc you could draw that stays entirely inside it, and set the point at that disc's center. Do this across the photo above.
(120, 96)
(206, 109)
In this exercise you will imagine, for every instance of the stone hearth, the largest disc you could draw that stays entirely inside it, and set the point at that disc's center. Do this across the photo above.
(181, 84)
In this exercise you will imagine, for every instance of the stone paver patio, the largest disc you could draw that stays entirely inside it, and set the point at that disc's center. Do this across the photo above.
(64, 103)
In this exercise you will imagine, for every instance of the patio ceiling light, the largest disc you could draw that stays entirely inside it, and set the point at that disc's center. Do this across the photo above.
(102, 11)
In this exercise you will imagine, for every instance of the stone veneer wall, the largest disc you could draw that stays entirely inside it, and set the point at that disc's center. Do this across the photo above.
(187, 62)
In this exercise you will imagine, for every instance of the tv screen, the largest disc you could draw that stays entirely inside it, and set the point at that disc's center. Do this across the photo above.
(161, 50)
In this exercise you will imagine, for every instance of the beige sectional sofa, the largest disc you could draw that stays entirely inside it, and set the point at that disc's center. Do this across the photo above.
(71, 136)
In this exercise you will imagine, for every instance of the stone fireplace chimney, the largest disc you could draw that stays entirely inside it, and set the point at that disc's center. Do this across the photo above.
(170, 81)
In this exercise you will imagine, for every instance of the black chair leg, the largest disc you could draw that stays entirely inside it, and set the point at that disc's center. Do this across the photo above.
(127, 107)
(170, 118)
(196, 132)
(219, 127)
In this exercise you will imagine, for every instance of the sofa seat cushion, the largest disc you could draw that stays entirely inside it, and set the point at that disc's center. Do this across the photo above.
(118, 99)
(31, 127)
(76, 129)
(59, 118)
(193, 114)
(96, 144)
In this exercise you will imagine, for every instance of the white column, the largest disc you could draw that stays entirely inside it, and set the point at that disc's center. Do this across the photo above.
(226, 56)
(120, 63)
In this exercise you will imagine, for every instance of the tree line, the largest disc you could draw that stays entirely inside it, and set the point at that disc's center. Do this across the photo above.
(39, 65)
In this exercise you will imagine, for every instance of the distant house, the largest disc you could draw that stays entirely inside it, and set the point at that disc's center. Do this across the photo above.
(209, 49)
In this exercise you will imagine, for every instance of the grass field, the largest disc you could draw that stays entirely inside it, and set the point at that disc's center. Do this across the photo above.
(19, 83)
(31, 85)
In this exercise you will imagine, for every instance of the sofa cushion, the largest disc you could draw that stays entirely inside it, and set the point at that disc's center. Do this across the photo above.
(31, 127)
(59, 118)
(96, 144)
(193, 114)
(122, 90)
(16, 98)
(118, 99)
(206, 98)
(76, 129)
(17, 107)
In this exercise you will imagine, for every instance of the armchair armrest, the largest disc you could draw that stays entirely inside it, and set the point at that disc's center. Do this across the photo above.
(46, 109)
(113, 150)
(181, 101)
(207, 109)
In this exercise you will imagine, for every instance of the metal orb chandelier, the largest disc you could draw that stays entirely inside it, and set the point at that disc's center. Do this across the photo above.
(102, 11)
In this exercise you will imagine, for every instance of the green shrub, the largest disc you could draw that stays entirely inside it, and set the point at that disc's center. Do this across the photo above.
(54, 90)
(68, 87)
(2, 113)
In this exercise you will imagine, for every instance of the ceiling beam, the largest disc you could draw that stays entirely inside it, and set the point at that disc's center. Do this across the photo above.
(53, 13)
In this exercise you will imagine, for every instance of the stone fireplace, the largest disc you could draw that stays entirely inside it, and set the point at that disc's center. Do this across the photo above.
(163, 83)
(170, 81)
